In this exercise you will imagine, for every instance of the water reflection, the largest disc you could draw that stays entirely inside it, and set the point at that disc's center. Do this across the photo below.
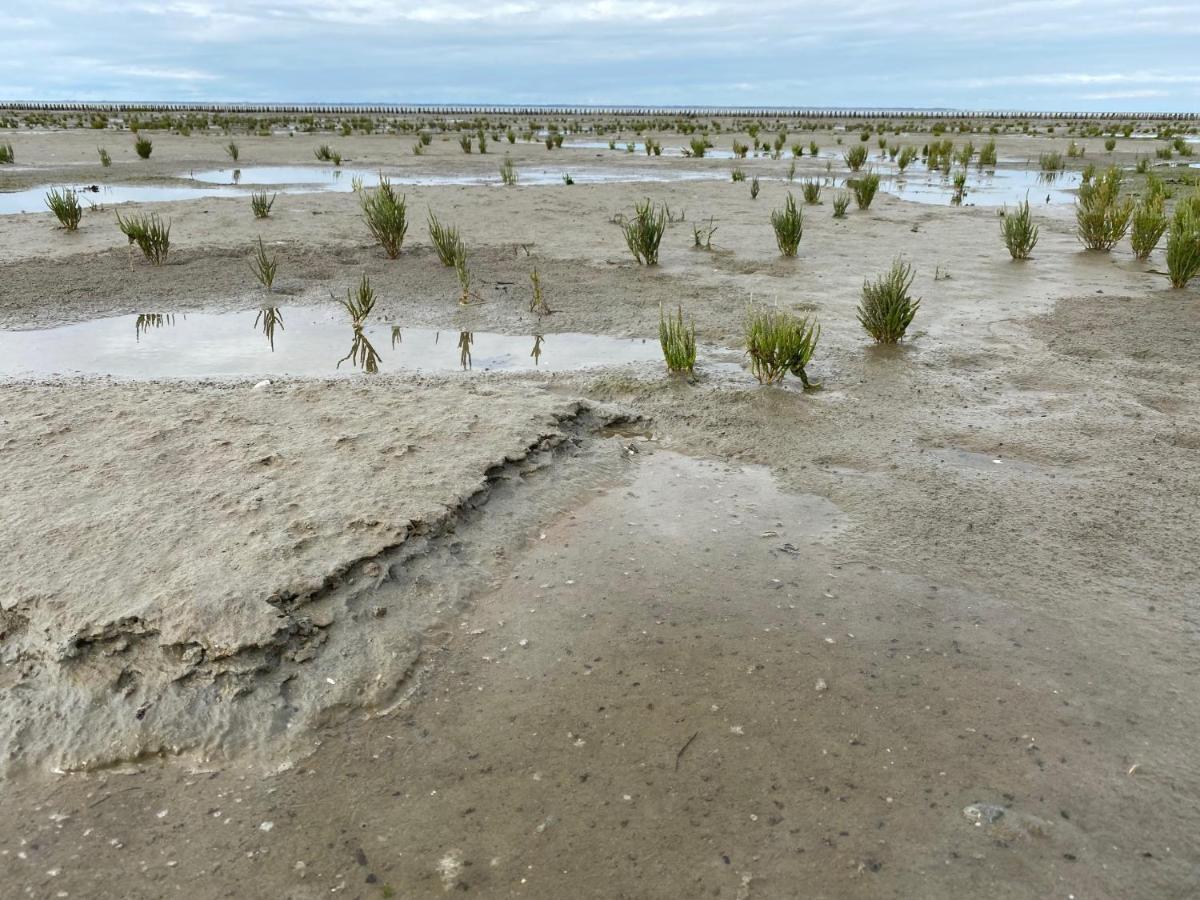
(237, 176)
(465, 340)
(270, 318)
(362, 353)
(253, 342)
(146, 321)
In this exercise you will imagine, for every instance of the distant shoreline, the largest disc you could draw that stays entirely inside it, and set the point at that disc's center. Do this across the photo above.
(574, 109)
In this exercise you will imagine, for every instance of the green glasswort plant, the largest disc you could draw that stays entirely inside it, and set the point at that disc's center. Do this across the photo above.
(105, 159)
(386, 216)
(66, 207)
(855, 157)
(446, 241)
(737, 174)
(886, 309)
(1101, 216)
(359, 302)
(1020, 234)
(143, 146)
(1183, 243)
(464, 141)
(7, 155)
(508, 171)
(261, 204)
(754, 188)
(264, 267)
(233, 151)
(907, 155)
(811, 189)
(678, 341)
(864, 189)
(325, 153)
(987, 156)
(1148, 225)
(643, 233)
(778, 342)
(149, 233)
(537, 302)
(789, 226)
(840, 204)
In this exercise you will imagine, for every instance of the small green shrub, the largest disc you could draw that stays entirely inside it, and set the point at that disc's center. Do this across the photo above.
(1051, 162)
(264, 267)
(907, 154)
(149, 233)
(789, 226)
(1101, 217)
(1148, 225)
(66, 207)
(740, 150)
(359, 302)
(1020, 234)
(644, 232)
(143, 146)
(7, 155)
(702, 234)
(1183, 243)
(386, 216)
(811, 189)
(840, 204)
(778, 342)
(446, 241)
(678, 341)
(886, 309)
(987, 155)
(1110, 144)
(864, 189)
(105, 159)
(855, 157)
(698, 145)
(754, 188)
(508, 171)
(464, 141)
(325, 153)
(261, 204)
(737, 175)
(233, 151)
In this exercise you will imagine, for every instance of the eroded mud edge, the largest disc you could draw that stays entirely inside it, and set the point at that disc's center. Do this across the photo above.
(355, 643)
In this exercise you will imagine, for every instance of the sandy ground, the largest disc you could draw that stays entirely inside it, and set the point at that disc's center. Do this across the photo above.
(929, 631)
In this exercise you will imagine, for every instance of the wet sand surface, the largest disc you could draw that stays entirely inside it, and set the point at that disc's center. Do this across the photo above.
(929, 631)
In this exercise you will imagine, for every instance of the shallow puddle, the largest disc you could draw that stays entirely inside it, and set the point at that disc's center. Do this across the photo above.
(297, 341)
(1003, 187)
(314, 179)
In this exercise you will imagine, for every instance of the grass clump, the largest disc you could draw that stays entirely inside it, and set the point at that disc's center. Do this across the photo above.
(789, 226)
(678, 341)
(887, 309)
(152, 237)
(359, 302)
(754, 188)
(811, 189)
(644, 232)
(105, 159)
(737, 174)
(855, 157)
(508, 171)
(1183, 243)
(7, 156)
(464, 141)
(1110, 144)
(1020, 234)
(446, 241)
(698, 145)
(865, 189)
(1101, 217)
(233, 151)
(778, 342)
(1051, 162)
(264, 267)
(907, 154)
(261, 204)
(987, 155)
(66, 207)
(1148, 225)
(537, 301)
(325, 153)
(840, 204)
(143, 146)
(386, 216)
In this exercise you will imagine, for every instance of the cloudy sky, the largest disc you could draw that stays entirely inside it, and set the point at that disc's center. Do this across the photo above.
(1029, 54)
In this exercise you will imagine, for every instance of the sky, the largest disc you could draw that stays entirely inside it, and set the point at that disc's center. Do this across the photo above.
(1026, 54)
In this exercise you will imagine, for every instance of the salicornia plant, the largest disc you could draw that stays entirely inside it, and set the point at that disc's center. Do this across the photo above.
(1148, 225)
(644, 232)
(1101, 216)
(386, 216)
(678, 341)
(66, 207)
(1020, 234)
(887, 309)
(789, 226)
(778, 342)
(261, 204)
(264, 267)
